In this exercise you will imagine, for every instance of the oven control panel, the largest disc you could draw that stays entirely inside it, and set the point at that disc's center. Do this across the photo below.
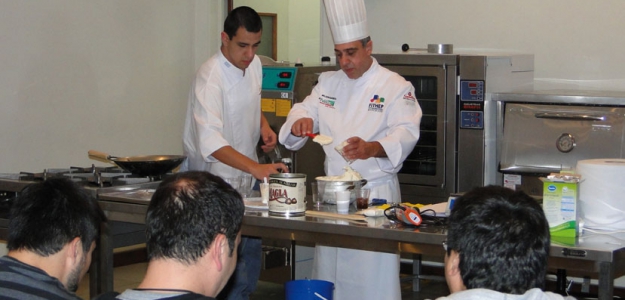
(472, 119)
(472, 104)
(279, 78)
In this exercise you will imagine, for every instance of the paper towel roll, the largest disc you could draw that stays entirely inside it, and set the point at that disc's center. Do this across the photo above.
(602, 193)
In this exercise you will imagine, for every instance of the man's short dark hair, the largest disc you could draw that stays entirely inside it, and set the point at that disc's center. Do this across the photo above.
(245, 17)
(365, 41)
(502, 237)
(48, 215)
(187, 212)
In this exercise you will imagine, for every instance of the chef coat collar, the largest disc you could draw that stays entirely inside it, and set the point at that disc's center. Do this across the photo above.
(231, 73)
(231, 69)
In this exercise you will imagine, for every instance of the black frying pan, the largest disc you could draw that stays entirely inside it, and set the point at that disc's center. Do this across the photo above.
(147, 165)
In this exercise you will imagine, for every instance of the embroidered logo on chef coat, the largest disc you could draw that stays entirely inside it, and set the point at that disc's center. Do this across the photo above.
(410, 97)
(327, 101)
(376, 104)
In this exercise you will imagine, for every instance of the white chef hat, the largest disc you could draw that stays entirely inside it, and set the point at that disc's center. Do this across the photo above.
(347, 19)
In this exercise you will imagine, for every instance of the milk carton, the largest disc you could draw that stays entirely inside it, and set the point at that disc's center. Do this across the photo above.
(560, 203)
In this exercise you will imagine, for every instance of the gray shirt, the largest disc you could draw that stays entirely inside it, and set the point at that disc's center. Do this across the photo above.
(22, 281)
(139, 294)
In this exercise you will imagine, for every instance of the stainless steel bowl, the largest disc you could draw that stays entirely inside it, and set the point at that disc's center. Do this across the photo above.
(441, 48)
(327, 188)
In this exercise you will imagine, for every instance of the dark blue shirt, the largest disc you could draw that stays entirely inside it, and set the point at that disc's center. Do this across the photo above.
(21, 281)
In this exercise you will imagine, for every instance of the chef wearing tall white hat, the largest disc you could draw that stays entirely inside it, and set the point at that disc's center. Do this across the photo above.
(375, 110)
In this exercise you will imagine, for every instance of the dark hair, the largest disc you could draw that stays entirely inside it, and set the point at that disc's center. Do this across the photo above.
(245, 17)
(365, 41)
(502, 237)
(187, 212)
(46, 216)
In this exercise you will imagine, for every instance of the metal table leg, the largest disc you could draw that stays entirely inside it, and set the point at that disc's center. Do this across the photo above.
(416, 273)
(561, 282)
(606, 281)
(101, 269)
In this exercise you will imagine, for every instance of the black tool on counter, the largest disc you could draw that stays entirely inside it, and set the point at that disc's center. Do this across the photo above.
(404, 214)
(412, 216)
(406, 47)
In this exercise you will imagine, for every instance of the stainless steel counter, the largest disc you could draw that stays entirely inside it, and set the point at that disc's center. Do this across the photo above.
(590, 253)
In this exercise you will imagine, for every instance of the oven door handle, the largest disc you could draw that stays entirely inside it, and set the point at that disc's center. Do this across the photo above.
(567, 116)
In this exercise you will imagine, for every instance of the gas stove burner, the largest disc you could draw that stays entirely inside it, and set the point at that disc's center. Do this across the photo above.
(93, 169)
(89, 176)
(106, 179)
(29, 176)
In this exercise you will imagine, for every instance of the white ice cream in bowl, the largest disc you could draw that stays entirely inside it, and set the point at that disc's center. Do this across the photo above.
(349, 180)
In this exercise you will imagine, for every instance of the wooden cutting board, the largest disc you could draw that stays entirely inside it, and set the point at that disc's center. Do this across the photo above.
(331, 215)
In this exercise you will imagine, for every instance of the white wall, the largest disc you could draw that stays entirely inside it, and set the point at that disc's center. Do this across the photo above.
(577, 43)
(304, 33)
(111, 75)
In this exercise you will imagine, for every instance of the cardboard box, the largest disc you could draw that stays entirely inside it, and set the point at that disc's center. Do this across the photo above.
(560, 204)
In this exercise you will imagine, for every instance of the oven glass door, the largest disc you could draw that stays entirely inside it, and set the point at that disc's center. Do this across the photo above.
(426, 164)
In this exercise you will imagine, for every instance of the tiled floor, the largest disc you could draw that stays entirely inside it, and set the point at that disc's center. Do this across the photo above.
(130, 276)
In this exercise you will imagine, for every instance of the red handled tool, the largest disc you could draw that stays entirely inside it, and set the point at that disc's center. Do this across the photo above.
(404, 214)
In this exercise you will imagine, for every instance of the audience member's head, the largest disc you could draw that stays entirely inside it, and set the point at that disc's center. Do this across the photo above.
(194, 222)
(54, 226)
(498, 239)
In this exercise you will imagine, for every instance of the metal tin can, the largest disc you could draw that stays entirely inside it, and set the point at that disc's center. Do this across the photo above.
(287, 194)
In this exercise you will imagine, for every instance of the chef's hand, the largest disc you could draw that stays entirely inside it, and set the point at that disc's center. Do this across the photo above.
(357, 148)
(302, 126)
(269, 139)
(261, 171)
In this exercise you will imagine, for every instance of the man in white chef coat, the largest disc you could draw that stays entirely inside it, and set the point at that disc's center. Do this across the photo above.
(224, 123)
(376, 111)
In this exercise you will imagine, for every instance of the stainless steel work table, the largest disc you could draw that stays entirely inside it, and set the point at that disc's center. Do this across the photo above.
(591, 253)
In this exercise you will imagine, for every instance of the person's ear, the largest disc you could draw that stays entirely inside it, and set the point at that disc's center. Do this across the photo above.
(74, 253)
(219, 251)
(453, 262)
(452, 272)
(224, 38)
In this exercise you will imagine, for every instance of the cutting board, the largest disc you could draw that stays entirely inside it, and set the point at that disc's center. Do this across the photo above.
(331, 215)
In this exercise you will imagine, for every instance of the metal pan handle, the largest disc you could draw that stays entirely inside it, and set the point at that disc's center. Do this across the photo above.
(567, 116)
(101, 156)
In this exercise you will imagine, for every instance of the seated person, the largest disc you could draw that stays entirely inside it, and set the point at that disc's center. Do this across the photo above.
(193, 230)
(53, 226)
(497, 246)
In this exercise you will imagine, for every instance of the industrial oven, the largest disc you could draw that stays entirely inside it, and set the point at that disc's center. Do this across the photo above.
(547, 131)
(457, 147)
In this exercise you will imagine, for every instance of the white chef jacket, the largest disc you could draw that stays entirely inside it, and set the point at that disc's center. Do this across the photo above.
(379, 106)
(223, 109)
